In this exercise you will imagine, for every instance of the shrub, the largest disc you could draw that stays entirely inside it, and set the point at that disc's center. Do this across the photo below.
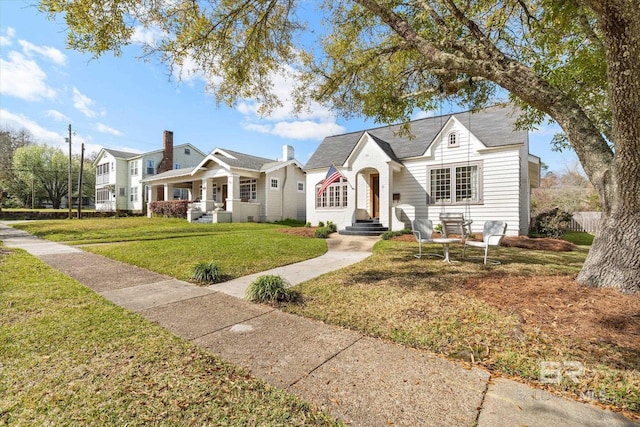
(170, 209)
(270, 289)
(553, 223)
(206, 272)
(320, 224)
(389, 234)
(322, 232)
(307, 225)
(332, 227)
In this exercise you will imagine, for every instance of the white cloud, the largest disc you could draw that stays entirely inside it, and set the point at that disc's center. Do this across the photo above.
(8, 39)
(146, 36)
(48, 52)
(421, 114)
(23, 78)
(42, 135)
(302, 130)
(57, 115)
(106, 129)
(313, 122)
(83, 103)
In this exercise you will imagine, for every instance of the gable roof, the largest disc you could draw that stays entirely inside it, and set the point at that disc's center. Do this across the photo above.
(128, 155)
(121, 154)
(494, 126)
(240, 160)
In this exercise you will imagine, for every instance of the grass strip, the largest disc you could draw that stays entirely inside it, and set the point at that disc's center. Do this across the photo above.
(69, 357)
(173, 247)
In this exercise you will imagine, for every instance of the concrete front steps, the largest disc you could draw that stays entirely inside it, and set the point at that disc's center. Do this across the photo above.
(367, 227)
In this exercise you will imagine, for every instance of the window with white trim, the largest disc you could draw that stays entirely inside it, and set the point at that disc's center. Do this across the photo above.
(455, 183)
(133, 195)
(300, 187)
(151, 167)
(274, 184)
(180, 194)
(334, 196)
(102, 195)
(452, 140)
(248, 189)
(102, 173)
(134, 167)
(122, 192)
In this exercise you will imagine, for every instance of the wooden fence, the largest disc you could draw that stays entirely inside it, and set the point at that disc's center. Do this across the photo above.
(585, 221)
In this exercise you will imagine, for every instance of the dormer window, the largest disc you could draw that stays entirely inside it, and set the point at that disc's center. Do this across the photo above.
(452, 140)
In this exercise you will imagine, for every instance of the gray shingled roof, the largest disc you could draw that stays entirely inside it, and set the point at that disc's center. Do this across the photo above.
(494, 126)
(244, 161)
(121, 154)
(169, 174)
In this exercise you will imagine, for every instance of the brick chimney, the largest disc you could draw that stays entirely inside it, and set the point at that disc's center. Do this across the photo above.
(166, 164)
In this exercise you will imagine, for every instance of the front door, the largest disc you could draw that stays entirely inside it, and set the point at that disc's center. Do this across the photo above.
(375, 195)
(224, 196)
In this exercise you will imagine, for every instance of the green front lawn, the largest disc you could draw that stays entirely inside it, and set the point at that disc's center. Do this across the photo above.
(173, 247)
(69, 357)
(507, 318)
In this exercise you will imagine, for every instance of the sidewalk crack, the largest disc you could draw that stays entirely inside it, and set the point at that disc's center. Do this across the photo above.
(484, 395)
(325, 362)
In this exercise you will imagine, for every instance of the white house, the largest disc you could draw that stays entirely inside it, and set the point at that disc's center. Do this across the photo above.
(119, 174)
(230, 186)
(470, 163)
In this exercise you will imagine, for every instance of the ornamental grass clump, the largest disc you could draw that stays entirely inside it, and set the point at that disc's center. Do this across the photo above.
(206, 273)
(270, 289)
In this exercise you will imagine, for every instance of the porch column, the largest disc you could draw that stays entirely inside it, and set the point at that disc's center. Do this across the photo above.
(152, 196)
(233, 191)
(168, 192)
(206, 202)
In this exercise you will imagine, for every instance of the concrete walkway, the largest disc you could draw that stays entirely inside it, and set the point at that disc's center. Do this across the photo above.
(360, 380)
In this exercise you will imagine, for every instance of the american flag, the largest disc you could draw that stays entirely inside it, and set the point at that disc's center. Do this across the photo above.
(332, 176)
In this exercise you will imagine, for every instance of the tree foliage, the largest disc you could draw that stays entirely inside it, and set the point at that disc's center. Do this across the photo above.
(44, 169)
(10, 141)
(575, 61)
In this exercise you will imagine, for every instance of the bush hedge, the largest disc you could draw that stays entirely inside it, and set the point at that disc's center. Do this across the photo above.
(170, 209)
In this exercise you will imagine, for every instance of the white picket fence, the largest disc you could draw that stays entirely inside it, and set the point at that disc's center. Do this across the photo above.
(585, 221)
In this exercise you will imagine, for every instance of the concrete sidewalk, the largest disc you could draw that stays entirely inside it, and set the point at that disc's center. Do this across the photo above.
(360, 380)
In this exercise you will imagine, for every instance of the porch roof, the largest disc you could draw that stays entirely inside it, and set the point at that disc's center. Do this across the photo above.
(173, 173)
(494, 126)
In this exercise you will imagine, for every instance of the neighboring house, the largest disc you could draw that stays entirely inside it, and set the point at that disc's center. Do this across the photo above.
(470, 163)
(119, 174)
(242, 187)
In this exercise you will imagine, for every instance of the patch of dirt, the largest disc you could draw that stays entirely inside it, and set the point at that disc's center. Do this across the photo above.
(300, 231)
(538, 244)
(601, 320)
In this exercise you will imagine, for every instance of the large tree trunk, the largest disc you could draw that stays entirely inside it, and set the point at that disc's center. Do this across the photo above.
(614, 258)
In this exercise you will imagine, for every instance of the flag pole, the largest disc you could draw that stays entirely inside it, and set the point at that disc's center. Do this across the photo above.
(338, 169)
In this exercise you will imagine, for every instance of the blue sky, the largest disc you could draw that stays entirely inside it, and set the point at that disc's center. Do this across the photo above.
(126, 104)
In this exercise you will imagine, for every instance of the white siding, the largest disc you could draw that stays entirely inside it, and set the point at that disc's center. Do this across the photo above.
(500, 182)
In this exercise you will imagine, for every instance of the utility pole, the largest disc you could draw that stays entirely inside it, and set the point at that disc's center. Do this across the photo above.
(69, 181)
(80, 183)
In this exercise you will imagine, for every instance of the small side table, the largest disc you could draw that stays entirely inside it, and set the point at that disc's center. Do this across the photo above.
(446, 241)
